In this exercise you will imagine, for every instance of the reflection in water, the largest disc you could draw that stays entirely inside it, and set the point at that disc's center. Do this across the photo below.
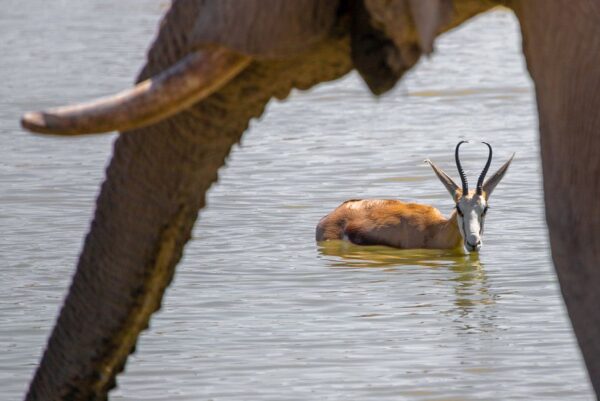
(470, 281)
(384, 256)
(471, 284)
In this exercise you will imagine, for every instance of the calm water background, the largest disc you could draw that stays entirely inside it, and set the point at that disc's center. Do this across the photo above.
(258, 310)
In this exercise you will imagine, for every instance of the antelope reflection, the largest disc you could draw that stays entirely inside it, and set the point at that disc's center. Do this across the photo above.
(468, 274)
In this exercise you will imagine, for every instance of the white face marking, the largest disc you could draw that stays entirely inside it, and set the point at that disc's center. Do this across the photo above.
(471, 211)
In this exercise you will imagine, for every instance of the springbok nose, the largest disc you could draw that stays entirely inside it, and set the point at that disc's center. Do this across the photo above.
(473, 247)
(473, 240)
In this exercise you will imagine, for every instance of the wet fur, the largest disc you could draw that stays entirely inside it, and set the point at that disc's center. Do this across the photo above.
(390, 222)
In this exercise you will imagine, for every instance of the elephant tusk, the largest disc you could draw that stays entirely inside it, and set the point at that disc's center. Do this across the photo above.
(192, 79)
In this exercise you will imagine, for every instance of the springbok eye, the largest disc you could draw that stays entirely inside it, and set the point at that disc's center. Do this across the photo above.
(460, 213)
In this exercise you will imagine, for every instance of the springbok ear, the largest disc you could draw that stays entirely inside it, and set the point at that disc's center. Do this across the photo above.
(450, 185)
(491, 183)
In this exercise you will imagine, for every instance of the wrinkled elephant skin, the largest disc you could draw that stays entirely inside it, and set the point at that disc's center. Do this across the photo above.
(560, 45)
(163, 165)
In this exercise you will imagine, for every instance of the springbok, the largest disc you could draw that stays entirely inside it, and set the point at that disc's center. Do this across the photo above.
(411, 225)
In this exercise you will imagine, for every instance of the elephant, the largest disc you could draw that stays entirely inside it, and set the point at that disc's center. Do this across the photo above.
(213, 67)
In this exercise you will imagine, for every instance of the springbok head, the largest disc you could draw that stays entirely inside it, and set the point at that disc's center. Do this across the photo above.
(471, 206)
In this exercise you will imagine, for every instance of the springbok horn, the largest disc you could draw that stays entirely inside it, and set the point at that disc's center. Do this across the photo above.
(485, 170)
(193, 78)
(461, 172)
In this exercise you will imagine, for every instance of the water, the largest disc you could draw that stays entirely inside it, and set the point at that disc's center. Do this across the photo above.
(257, 310)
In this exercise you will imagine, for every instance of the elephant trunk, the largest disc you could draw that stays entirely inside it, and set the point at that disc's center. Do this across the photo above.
(145, 212)
(155, 185)
(190, 80)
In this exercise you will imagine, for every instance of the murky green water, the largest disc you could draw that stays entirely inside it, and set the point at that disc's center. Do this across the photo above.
(258, 310)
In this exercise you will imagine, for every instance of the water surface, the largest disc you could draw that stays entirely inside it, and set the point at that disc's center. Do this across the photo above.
(257, 310)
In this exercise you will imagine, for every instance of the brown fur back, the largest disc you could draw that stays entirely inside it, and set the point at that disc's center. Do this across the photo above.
(382, 222)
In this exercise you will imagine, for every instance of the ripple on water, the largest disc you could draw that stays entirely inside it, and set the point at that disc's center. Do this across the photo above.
(257, 310)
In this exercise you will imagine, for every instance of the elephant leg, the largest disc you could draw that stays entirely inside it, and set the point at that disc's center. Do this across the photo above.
(155, 185)
(561, 42)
